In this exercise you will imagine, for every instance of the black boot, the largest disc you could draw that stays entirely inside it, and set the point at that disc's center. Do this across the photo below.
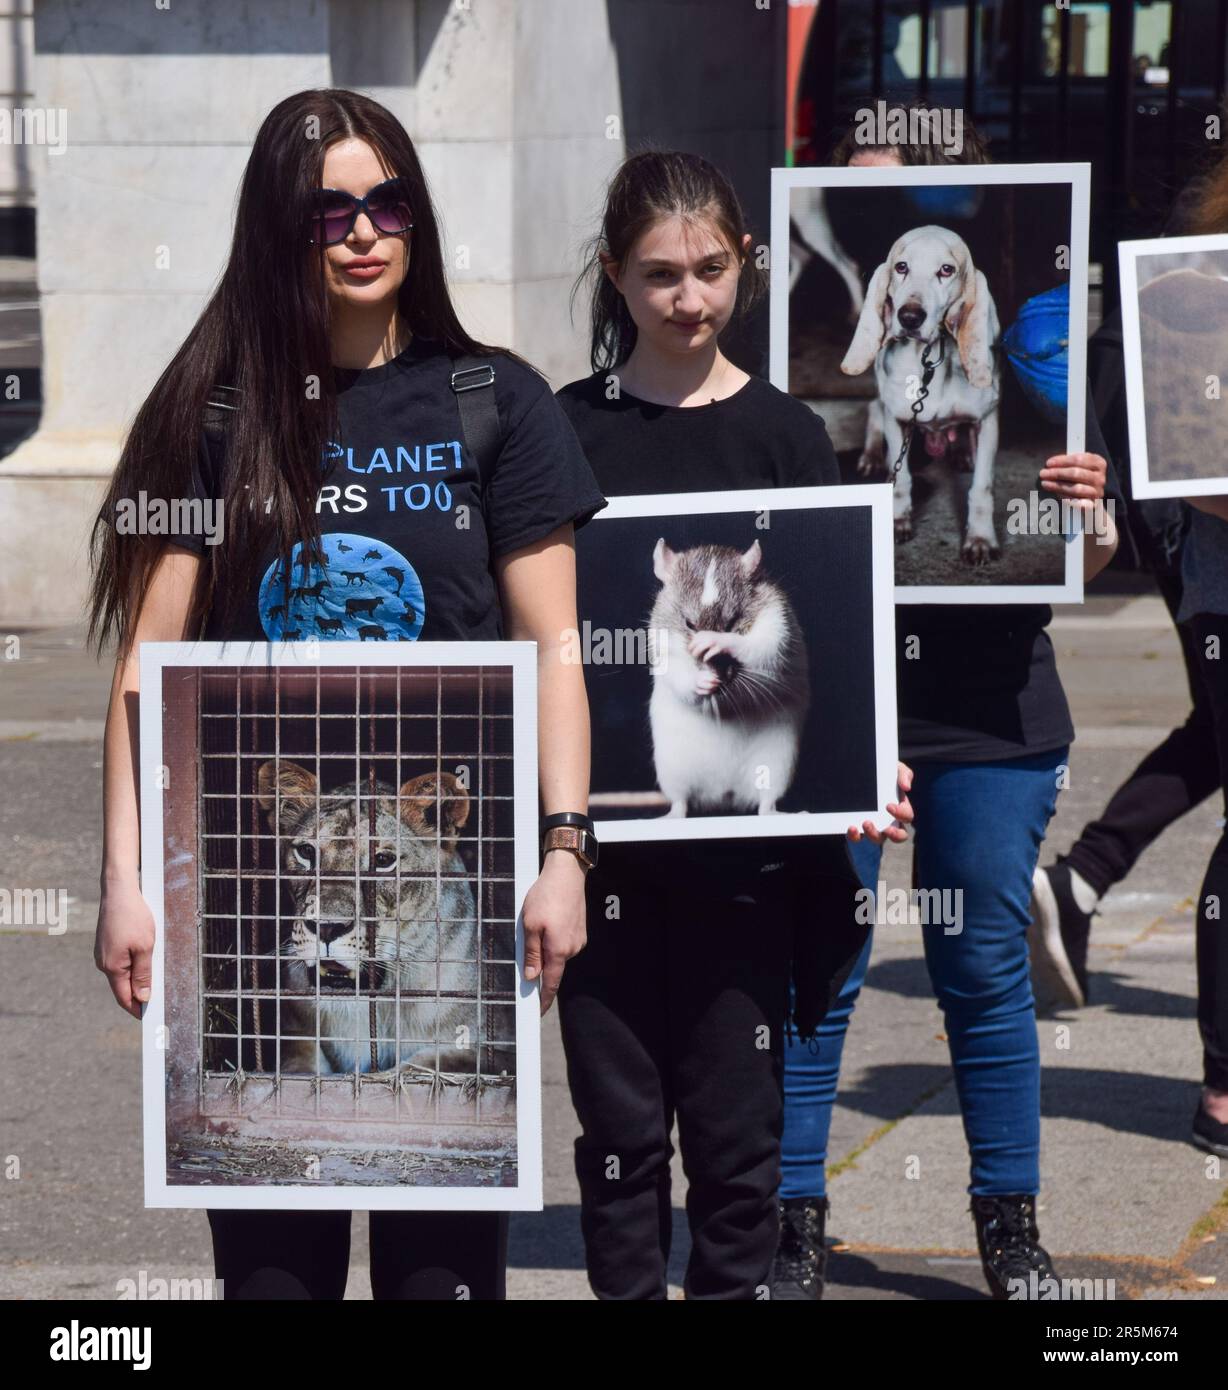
(1016, 1265)
(800, 1266)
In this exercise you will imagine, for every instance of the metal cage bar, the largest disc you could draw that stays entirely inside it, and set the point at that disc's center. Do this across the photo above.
(249, 700)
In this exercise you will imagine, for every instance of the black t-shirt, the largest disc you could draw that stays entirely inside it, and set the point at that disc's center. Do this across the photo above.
(758, 437)
(979, 682)
(407, 535)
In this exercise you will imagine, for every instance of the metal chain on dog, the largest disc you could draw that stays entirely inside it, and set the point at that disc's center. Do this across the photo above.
(928, 369)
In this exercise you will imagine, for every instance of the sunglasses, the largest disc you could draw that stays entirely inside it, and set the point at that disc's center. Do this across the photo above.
(387, 205)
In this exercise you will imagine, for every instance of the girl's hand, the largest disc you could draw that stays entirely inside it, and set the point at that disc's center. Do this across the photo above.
(123, 945)
(1077, 478)
(554, 921)
(901, 810)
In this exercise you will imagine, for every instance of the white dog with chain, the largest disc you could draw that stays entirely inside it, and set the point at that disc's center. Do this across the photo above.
(928, 306)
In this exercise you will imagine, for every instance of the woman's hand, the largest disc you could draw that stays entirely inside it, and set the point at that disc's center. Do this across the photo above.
(1076, 478)
(123, 945)
(901, 810)
(554, 921)
(1078, 481)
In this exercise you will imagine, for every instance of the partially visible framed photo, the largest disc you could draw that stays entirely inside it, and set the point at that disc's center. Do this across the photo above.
(336, 842)
(934, 317)
(739, 655)
(1174, 321)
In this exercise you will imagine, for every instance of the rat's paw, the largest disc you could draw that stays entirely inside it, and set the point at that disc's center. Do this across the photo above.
(707, 682)
(703, 646)
(903, 528)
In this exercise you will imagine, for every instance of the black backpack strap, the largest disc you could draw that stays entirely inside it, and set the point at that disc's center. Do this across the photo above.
(473, 380)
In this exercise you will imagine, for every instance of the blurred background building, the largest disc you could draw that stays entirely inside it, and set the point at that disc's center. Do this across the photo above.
(521, 109)
(1125, 85)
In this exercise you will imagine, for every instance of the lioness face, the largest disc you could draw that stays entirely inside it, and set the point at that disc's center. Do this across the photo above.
(350, 884)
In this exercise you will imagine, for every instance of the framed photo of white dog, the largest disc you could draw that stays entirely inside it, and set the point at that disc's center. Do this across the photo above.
(336, 840)
(935, 318)
(1174, 328)
(739, 656)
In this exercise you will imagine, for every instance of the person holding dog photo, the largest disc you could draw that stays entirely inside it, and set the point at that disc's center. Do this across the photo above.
(692, 942)
(331, 349)
(985, 725)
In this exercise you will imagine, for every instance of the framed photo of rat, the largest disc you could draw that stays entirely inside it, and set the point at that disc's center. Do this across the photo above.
(739, 655)
(1174, 328)
(935, 318)
(336, 840)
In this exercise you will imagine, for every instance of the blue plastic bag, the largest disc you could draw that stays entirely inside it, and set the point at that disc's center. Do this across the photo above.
(1037, 345)
(946, 202)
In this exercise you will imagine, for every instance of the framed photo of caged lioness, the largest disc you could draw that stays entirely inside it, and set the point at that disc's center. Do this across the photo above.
(336, 842)
(739, 655)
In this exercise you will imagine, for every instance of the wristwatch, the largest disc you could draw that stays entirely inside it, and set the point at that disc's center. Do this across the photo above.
(573, 832)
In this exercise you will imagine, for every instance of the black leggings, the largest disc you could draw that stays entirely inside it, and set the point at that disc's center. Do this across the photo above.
(1172, 779)
(428, 1255)
(677, 1008)
(1212, 939)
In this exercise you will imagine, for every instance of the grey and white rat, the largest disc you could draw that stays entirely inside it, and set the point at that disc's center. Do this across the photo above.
(730, 689)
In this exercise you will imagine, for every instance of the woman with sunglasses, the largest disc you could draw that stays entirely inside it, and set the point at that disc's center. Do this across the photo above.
(334, 337)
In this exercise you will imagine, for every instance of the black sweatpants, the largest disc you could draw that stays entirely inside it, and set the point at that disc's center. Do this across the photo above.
(427, 1255)
(1171, 780)
(1212, 940)
(677, 1008)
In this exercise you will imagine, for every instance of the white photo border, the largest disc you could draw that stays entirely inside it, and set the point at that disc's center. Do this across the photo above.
(521, 657)
(1128, 254)
(750, 826)
(1078, 177)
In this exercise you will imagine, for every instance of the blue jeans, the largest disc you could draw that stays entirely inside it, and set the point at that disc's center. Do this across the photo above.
(979, 828)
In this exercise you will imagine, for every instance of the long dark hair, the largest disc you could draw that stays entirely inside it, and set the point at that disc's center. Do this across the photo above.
(647, 187)
(265, 332)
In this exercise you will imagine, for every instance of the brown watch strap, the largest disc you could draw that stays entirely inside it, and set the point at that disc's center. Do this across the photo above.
(568, 837)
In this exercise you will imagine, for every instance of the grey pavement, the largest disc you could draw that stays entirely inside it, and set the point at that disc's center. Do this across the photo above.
(1125, 1196)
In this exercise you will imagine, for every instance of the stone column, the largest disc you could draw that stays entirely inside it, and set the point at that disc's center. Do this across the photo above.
(134, 219)
(515, 107)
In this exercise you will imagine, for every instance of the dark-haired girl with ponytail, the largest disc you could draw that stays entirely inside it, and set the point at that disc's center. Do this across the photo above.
(329, 344)
(691, 942)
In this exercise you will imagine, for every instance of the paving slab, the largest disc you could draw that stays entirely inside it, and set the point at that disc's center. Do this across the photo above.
(1125, 1197)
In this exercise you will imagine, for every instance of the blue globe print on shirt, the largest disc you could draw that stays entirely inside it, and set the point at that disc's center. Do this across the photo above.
(364, 591)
